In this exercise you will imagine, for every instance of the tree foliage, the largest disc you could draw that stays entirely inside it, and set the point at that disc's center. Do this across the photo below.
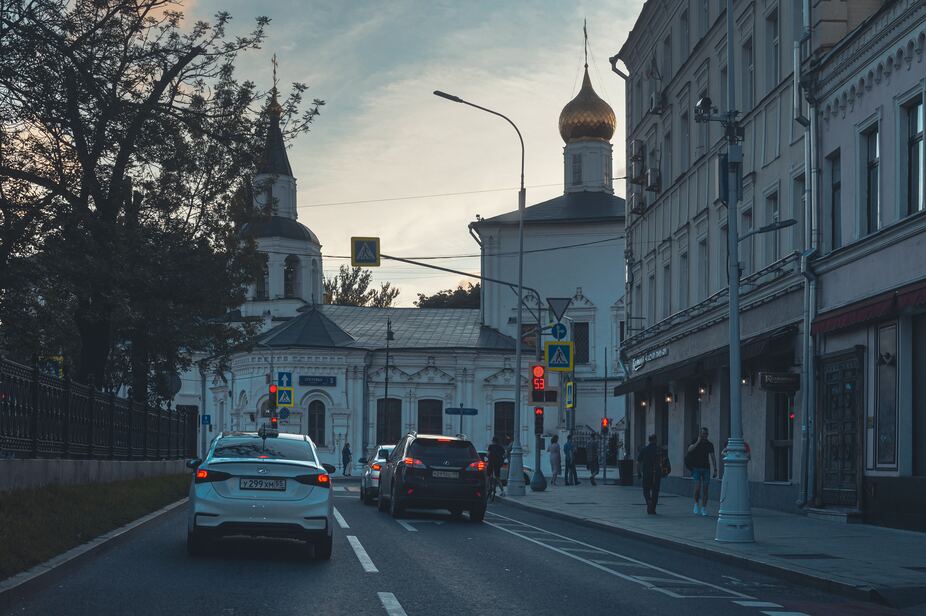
(461, 297)
(351, 287)
(125, 138)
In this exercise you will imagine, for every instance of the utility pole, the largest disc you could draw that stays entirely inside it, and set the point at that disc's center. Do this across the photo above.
(389, 337)
(538, 481)
(607, 439)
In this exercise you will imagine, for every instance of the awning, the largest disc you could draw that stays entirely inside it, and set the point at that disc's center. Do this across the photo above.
(871, 309)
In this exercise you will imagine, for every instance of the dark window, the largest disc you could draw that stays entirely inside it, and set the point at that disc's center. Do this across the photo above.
(872, 173)
(291, 276)
(782, 437)
(915, 158)
(835, 200)
(443, 452)
(667, 59)
(886, 388)
(430, 417)
(271, 448)
(388, 420)
(262, 287)
(576, 169)
(580, 338)
(504, 421)
(748, 74)
(703, 17)
(773, 238)
(317, 422)
(683, 23)
(773, 49)
(383, 453)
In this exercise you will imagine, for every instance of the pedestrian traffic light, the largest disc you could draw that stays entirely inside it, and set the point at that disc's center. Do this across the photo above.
(538, 420)
(605, 424)
(540, 379)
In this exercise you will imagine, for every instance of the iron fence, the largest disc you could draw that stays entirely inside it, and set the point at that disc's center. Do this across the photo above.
(42, 416)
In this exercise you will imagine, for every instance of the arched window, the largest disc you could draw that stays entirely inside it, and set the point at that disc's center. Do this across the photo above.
(430, 417)
(317, 422)
(504, 421)
(291, 276)
(388, 421)
(262, 286)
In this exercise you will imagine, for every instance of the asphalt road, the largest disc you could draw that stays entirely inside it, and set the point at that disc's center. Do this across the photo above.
(426, 563)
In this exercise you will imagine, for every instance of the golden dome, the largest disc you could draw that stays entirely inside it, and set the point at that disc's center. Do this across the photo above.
(587, 116)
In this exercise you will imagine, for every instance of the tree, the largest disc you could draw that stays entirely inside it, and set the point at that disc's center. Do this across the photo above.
(125, 138)
(351, 287)
(461, 297)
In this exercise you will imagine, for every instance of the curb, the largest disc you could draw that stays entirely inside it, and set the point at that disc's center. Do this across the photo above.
(866, 593)
(21, 584)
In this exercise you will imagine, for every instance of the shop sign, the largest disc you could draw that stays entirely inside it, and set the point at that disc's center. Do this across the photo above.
(638, 362)
(779, 381)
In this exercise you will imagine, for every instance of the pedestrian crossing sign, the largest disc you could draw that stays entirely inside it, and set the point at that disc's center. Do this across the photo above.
(559, 355)
(364, 251)
(285, 397)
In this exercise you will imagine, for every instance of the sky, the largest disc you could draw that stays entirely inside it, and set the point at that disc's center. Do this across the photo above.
(383, 137)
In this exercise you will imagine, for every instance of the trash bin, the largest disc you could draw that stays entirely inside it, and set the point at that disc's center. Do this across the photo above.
(626, 470)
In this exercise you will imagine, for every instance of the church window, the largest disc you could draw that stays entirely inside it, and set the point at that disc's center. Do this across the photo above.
(504, 421)
(580, 338)
(388, 420)
(291, 276)
(317, 422)
(576, 169)
(262, 286)
(430, 417)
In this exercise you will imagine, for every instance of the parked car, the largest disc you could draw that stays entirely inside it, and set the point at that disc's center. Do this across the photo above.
(528, 471)
(434, 472)
(261, 484)
(369, 477)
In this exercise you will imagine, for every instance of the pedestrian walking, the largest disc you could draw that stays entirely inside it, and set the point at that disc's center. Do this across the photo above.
(700, 458)
(555, 460)
(591, 461)
(346, 457)
(569, 451)
(650, 459)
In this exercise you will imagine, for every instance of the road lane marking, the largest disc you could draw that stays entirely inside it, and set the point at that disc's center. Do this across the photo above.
(756, 604)
(407, 526)
(391, 604)
(365, 561)
(340, 518)
(689, 584)
(786, 614)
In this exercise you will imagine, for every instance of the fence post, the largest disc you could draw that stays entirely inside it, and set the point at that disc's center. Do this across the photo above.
(67, 415)
(112, 424)
(34, 421)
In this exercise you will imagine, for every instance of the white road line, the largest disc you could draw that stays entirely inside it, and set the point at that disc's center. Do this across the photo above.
(756, 604)
(407, 526)
(786, 614)
(365, 561)
(392, 605)
(635, 579)
(340, 518)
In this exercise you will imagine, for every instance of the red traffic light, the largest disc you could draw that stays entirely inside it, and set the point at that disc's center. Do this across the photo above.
(274, 421)
(273, 389)
(538, 410)
(537, 371)
(604, 422)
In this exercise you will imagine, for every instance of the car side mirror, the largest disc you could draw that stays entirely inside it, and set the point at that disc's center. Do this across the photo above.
(329, 467)
(362, 460)
(194, 463)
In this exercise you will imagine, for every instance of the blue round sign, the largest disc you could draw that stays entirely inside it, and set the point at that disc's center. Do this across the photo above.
(559, 331)
(284, 413)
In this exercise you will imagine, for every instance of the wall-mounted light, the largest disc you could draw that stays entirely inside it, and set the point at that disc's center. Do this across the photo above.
(702, 390)
(669, 398)
(643, 403)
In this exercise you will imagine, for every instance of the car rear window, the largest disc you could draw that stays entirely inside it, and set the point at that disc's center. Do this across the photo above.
(383, 453)
(268, 448)
(434, 451)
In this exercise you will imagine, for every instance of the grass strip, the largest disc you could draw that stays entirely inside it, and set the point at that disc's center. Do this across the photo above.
(41, 523)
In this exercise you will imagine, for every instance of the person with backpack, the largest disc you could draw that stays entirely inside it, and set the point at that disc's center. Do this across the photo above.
(650, 459)
(699, 458)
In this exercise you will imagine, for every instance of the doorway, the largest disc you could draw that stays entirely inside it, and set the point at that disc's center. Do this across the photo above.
(840, 410)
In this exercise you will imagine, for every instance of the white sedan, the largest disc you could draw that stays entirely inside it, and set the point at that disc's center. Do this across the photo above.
(263, 484)
(369, 478)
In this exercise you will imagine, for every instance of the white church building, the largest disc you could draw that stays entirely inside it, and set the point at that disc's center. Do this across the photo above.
(335, 357)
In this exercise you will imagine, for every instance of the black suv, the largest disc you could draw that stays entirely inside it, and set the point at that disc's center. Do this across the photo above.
(429, 471)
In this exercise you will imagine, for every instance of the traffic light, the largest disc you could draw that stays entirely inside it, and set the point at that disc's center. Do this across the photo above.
(605, 424)
(538, 420)
(540, 379)
(274, 421)
(272, 403)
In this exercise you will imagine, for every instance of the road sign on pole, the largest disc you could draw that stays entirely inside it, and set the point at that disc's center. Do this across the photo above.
(284, 379)
(364, 252)
(206, 420)
(285, 397)
(559, 355)
(558, 306)
(559, 331)
(570, 394)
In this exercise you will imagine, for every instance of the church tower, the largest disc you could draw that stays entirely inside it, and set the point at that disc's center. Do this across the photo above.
(587, 124)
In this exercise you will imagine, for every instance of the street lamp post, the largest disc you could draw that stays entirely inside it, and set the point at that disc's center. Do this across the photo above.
(516, 462)
(390, 336)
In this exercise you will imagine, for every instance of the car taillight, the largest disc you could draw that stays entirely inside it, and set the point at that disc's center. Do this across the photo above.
(206, 476)
(322, 480)
(414, 463)
(377, 467)
(478, 465)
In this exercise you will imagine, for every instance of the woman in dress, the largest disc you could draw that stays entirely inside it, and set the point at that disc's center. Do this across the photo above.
(555, 459)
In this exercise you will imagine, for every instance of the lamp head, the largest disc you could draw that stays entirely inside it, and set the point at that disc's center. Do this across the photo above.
(449, 97)
(704, 107)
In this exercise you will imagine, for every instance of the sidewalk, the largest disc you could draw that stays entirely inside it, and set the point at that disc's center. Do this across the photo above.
(859, 559)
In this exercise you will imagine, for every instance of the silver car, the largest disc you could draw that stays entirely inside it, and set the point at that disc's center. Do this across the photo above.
(369, 478)
(263, 484)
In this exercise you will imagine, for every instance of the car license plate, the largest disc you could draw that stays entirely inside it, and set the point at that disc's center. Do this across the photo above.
(262, 484)
(446, 474)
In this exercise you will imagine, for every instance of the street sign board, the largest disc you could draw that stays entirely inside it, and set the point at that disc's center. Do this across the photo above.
(559, 331)
(364, 251)
(284, 379)
(206, 420)
(285, 397)
(461, 411)
(558, 306)
(307, 380)
(559, 355)
(570, 394)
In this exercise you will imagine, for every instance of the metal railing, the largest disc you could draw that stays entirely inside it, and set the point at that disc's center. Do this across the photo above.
(42, 416)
